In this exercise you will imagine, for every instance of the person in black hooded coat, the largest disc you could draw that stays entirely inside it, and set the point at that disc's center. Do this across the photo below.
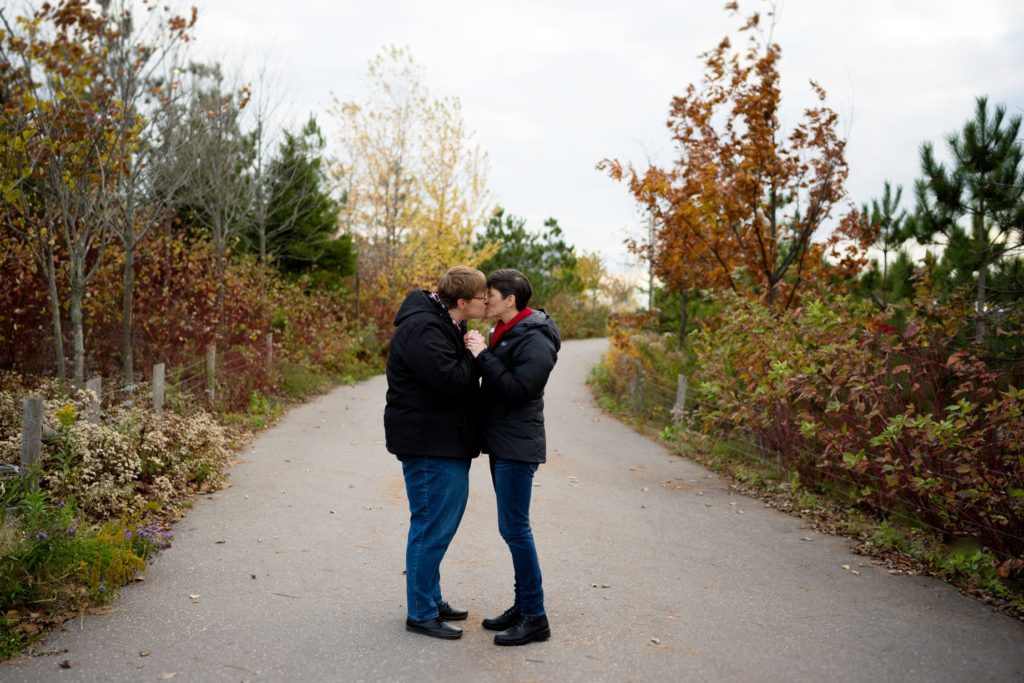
(431, 422)
(515, 366)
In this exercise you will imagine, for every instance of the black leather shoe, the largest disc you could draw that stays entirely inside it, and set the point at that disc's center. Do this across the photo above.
(449, 613)
(435, 628)
(507, 619)
(526, 630)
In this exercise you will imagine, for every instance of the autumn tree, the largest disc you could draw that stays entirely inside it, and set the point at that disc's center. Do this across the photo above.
(143, 64)
(219, 191)
(740, 205)
(414, 183)
(453, 199)
(71, 150)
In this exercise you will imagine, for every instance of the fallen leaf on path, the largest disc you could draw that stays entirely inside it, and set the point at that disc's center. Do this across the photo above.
(846, 567)
(656, 641)
(220, 542)
(855, 572)
(66, 664)
(168, 676)
(806, 538)
(143, 653)
(193, 596)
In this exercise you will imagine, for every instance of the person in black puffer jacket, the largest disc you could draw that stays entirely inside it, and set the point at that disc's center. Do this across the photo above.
(432, 423)
(515, 366)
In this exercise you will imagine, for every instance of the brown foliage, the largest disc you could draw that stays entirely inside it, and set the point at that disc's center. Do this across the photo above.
(739, 207)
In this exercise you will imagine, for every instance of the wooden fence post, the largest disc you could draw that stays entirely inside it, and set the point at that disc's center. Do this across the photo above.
(680, 406)
(270, 352)
(633, 387)
(92, 411)
(211, 373)
(31, 434)
(158, 387)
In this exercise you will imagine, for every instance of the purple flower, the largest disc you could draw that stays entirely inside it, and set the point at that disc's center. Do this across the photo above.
(127, 534)
(71, 532)
(103, 588)
(41, 536)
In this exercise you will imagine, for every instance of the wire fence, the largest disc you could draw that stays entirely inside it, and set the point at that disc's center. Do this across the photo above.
(995, 518)
(222, 380)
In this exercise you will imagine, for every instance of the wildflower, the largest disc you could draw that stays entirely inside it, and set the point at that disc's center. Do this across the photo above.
(71, 532)
(41, 536)
(103, 588)
(127, 533)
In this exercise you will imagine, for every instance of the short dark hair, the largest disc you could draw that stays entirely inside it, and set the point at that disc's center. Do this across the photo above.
(460, 282)
(511, 281)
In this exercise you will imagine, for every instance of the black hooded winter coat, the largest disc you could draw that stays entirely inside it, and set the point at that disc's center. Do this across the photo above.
(433, 399)
(514, 375)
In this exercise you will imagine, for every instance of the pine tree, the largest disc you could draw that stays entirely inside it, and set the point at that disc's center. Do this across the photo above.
(302, 217)
(975, 208)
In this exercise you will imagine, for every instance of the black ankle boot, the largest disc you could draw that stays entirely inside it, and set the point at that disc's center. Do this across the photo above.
(449, 613)
(507, 619)
(526, 630)
(435, 628)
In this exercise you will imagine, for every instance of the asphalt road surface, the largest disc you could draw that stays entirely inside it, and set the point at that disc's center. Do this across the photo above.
(653, 571)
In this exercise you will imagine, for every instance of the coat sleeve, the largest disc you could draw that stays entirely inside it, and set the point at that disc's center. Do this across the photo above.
(438, 364)
(524, 378)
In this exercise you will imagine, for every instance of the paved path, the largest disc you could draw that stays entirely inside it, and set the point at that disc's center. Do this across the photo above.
(298, 572)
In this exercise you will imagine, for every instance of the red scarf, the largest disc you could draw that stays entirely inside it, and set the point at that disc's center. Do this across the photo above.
(502, 327)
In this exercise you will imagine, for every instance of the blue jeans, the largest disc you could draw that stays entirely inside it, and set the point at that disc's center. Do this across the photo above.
(437, 489)
(513, 486)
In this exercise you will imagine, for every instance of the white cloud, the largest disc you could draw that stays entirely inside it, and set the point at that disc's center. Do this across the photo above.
(553, 87)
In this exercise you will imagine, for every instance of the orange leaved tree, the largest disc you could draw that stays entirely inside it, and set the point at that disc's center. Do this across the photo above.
(741, 203)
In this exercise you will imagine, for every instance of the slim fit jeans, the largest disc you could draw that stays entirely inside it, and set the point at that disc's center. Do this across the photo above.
(513, 486)
(437, 489)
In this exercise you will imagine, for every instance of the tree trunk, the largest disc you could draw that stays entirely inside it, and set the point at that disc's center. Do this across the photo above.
(127, 355)
(58, 332)
(683, 317)
(77, 293)
(219, 269)
(981, 238)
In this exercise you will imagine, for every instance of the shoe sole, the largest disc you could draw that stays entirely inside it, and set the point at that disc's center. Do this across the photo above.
(538, 637)
(463, 617)
(498, 627)
(422, 632)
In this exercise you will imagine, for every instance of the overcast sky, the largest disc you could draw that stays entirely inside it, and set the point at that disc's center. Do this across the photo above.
(553, 87)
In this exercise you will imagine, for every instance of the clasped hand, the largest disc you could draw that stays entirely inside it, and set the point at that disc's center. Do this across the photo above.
(474, 342)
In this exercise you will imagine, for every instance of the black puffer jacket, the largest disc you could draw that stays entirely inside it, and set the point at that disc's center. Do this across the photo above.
(514, 375)
(433, 394)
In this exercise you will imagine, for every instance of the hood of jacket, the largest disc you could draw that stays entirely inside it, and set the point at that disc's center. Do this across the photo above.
(539, 321)
(419, 302)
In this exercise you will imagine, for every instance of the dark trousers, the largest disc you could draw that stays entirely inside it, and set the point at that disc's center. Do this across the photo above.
(513, 486)
(437, 489)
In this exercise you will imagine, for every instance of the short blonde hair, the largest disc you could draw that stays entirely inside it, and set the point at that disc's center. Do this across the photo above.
(460, 282)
